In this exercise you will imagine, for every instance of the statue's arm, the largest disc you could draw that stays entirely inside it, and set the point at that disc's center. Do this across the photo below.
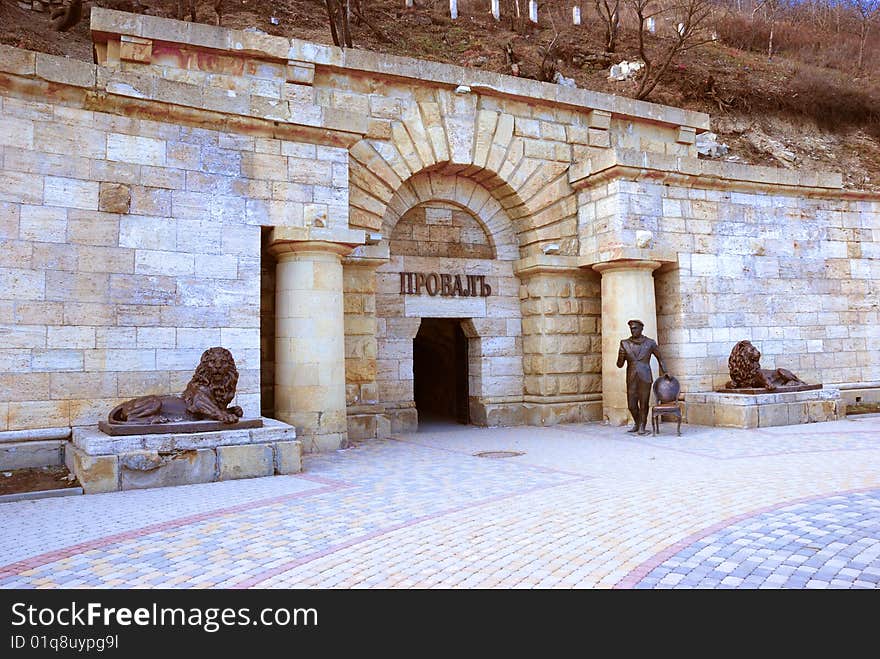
(621, 356)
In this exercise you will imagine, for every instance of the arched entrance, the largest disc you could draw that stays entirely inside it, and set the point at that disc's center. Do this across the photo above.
(449, 326)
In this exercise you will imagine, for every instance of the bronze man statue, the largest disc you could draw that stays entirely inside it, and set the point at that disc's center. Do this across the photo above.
(636, 352)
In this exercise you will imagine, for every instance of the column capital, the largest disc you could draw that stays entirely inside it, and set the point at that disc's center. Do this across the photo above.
(284, 240)
(627, 264)
(282, 248)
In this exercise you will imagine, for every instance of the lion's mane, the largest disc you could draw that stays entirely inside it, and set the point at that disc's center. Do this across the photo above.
(217, 373)
(744, 364)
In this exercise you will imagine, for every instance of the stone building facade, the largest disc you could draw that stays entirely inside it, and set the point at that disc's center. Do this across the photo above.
(308, 208)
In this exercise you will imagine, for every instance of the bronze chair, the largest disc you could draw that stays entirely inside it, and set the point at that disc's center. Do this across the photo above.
(666, 389)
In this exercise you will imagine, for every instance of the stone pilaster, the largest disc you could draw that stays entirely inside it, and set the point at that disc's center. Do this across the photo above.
(366, 418)
(560, 307)
(627, 293)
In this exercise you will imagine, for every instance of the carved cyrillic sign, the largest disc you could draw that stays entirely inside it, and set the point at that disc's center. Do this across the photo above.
(443, 284)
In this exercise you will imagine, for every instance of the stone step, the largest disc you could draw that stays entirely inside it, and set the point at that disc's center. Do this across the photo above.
(21, 455)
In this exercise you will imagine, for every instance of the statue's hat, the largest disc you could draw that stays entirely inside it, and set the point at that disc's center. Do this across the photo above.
(635, 321)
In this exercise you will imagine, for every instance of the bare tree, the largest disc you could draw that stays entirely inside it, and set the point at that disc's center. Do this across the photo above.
(691, 18)
(609, 14)
(773, 10)
(339, 15)
(867, 12)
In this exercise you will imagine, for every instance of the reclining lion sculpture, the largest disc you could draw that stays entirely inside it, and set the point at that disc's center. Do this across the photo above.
(207, 396)
(746, 372)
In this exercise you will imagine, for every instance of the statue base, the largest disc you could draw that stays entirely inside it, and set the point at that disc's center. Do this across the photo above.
(175, 427)
(106, 463)
(779, 390)
(764, 409)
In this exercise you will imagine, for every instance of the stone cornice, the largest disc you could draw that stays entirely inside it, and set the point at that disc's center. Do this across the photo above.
(106, 23)
(546, 264)
(695, 173)
(140, 94)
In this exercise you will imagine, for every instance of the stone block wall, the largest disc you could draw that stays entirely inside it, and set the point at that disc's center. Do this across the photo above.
(131, 244)
(785, 259)
(799, 277)
(645, 137)
(439, 229)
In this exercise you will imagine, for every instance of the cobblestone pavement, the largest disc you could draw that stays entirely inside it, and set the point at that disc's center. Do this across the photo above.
(583, 506)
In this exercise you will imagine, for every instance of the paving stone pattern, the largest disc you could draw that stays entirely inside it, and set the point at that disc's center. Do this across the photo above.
(586, 506)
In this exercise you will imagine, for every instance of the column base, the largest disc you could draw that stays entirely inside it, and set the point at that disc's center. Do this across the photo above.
(364, 426)
(495, 414)
(616, 417)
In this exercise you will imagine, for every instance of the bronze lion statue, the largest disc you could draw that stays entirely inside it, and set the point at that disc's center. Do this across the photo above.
(207, 396)
(746, 372)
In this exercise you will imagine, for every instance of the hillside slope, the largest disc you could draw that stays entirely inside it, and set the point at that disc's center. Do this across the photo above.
(783, 112)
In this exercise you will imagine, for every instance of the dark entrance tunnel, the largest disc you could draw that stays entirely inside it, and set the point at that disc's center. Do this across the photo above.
(440, 371)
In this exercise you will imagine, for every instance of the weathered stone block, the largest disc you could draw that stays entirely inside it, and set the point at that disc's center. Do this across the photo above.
(96, 473)
(150, 469)
(65, 70)
(114, 198)
(288, 457)
(736, 416)
(71, 193)
(700, 414)
(300, 73)
(383, 426)
(135, 149)
(774, 415)
(245, 461)
(493, 415)
(361, 426)
(135, 49)
(17, 61)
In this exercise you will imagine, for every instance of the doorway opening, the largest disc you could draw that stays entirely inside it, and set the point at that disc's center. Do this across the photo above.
(440, 371)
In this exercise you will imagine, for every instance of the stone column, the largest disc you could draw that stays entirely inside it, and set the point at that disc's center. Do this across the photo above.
(627, 293)
(310, 341)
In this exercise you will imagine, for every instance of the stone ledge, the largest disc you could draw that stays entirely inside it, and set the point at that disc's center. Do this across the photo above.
(92, 441)
(34, 435)
(693, 172)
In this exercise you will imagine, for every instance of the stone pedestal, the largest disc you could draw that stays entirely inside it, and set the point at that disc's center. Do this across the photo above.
(104, 463)
(627, 293)
(310, 341)
(764, 410)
